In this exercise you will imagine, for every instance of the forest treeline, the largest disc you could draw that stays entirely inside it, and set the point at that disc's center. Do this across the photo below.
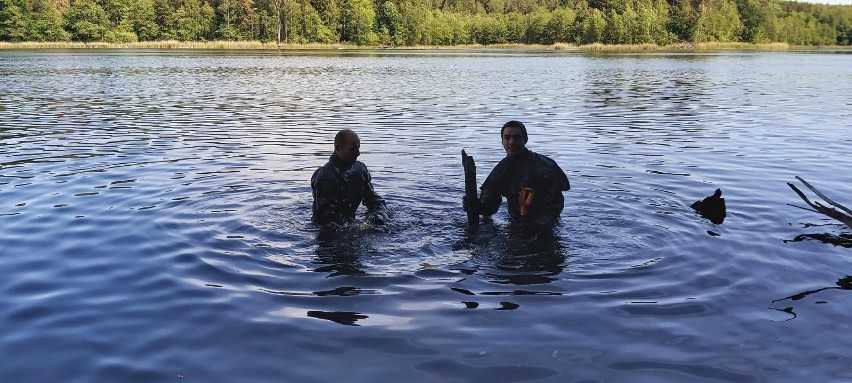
(428, 22)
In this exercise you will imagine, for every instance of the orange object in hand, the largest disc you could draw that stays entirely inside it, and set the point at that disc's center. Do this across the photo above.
(525, 199)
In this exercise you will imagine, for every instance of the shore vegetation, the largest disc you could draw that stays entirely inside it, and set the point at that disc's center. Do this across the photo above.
(342, 24)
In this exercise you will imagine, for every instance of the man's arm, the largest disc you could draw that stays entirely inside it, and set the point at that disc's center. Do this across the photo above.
(325, 190)
(561, 178)
(552, 200)
(489, 201)
(490, 197)
(376, 206)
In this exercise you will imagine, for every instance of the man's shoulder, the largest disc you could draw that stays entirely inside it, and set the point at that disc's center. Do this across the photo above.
(498, 169)
(549, 166)
(358, 165)
(502, 163)
(323, 172)
(543, 158)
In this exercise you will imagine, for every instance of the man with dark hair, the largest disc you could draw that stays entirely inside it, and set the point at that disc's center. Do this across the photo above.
(344, 183)
(531, 183)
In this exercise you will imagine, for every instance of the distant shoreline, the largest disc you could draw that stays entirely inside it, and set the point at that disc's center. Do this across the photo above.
(257, 45)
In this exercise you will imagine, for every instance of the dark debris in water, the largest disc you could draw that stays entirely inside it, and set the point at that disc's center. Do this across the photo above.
(844, 283)
(508, 306)
(788, 310)
(843, 240)
(342, 317)
(844, 214)
(712, 207)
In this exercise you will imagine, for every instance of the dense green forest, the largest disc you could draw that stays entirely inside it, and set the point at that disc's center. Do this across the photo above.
(428, 22)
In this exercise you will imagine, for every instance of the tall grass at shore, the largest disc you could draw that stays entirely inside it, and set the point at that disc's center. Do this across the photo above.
(745, 46)
(708, 46)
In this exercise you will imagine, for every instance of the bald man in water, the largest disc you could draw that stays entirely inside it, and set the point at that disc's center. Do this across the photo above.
(344, 183)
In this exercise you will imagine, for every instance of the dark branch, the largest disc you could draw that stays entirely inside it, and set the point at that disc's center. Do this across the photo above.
(831, 212)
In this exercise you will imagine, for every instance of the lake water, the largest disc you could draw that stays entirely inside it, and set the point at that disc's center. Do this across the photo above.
(155, 218)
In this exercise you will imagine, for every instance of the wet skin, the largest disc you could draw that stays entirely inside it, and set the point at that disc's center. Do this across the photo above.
(350, 149)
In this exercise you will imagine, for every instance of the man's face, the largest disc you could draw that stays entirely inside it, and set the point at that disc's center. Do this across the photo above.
(513, 141)
(350, 149)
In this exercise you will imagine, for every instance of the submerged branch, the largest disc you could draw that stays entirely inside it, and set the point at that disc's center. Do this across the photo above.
(846, 217)
(832, 203)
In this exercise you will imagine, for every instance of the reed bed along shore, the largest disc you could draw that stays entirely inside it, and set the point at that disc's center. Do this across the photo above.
(708, 46)
(258, 45)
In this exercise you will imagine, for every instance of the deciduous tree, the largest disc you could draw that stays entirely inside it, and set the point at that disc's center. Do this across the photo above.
(86, 20)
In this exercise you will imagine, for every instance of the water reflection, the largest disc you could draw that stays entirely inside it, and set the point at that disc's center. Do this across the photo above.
(445, 370)
(511, 256)
(338, 251)
(844, 283)
(691, 370)
(528, 259)
(843, 240)
(343, 317)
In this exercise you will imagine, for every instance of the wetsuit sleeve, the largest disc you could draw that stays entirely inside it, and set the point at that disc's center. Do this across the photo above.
(552, 201)
(325, 192)
(490, 198)
(372, 201)
(562, 179)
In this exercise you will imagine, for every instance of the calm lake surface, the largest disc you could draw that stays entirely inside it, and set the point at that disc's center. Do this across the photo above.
(155, 218)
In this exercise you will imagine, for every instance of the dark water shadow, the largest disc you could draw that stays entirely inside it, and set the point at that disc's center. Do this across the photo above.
(339, 250)
(509, 256)
(451, 370)
(342, 317)
(842, 240)
(688, 370)
(513, 255)
(844, 283)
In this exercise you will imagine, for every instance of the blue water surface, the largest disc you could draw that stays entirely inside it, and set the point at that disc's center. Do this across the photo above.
(155, 218)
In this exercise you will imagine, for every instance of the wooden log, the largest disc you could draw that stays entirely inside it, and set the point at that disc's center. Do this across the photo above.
(470, 186)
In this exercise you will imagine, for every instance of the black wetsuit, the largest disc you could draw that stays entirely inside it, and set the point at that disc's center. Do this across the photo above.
(339, 188)
(527, 169)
